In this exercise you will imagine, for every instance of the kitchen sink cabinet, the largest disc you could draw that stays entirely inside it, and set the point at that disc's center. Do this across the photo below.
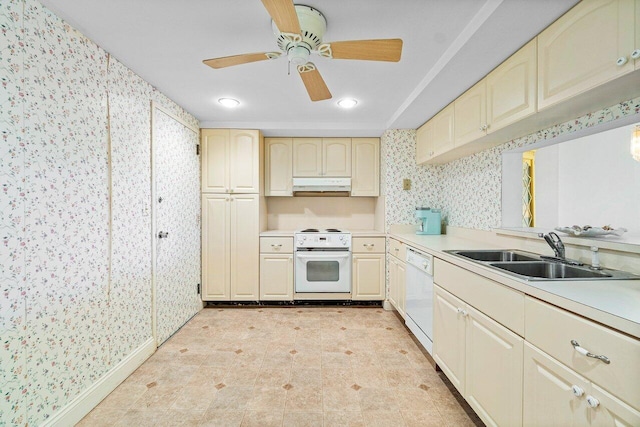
(365, 167)
(231, 161)
(436, 136)
(470, 112)
(230, 247)
(397, 276)
(327, 157)
(481, 358)
(574, 58)
(556, 395)
(278, 166)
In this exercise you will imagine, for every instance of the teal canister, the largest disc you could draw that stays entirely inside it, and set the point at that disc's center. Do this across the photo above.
(430, 220)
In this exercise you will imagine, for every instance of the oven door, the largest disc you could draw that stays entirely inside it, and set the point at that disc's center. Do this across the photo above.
(323, 271)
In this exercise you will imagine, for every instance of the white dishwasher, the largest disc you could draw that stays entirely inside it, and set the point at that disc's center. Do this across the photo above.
(419, 297)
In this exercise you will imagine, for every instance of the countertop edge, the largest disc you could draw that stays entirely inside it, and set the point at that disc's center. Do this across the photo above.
(533, 289)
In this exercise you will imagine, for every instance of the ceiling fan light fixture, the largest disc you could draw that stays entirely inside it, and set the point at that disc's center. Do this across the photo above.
(347, 103)
(229, 102)
(298, 55)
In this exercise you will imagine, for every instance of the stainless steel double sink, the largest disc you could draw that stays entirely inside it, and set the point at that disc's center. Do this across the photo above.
(530, 266)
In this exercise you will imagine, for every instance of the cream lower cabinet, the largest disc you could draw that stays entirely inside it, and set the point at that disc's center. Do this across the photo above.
(556, 395)
(368, 269)
(397, 290)
(482, 359)
(276, 268)
(230, 247)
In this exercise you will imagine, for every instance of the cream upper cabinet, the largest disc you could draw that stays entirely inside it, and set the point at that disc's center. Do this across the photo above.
(307, 157)
(470, 113)
(336, 157)
(230, 247)
(231, 161)
(365, 169)
(511, 88)
(436, 136)
(636, 48)
(589, 45)
(314, 157)
(278, 166)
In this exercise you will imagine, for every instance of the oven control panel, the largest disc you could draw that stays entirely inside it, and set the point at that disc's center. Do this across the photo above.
(323, 241)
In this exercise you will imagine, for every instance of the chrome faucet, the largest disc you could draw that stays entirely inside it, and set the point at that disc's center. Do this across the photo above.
(555, 242)
(558, 248)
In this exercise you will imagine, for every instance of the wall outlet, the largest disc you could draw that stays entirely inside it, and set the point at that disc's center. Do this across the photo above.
(406, 184)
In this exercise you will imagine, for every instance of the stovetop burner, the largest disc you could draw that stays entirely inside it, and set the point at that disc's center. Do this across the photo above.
(310, 230)
(332, 230)
(324, 230)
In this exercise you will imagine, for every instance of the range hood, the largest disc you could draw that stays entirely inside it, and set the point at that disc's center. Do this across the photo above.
(321, 186)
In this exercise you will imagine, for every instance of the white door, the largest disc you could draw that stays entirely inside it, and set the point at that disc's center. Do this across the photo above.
(176, 201)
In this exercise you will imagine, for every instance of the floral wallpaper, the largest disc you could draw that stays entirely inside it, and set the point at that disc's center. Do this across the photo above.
(75, 212)
(178, 261)
(468, 190)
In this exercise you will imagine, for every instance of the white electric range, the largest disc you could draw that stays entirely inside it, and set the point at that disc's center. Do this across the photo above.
(322, 261)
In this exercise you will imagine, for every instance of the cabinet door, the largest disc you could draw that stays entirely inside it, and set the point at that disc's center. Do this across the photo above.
(611, 411)
(511, 88)
(581, 49)
(424, 138)
(245, 244)
(401, 292)
(244, 164)
(443, 131)
(493, 382)
(548, 395)
(365, 170)
(471, 114)
(636, 46)
(215, 160)
(393, 282)
(279, 164)
(276, 277)
(307, 157)
(368, 277)
(216, 277)
(449, 336)
(336, 155)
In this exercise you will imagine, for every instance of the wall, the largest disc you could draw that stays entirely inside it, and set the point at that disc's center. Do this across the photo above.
(293, 213)
(468, 189)
(75, 254)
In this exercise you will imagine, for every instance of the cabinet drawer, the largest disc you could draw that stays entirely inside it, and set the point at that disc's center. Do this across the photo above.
(552, 329)
(497, 301)
(398, 249)
(368, 244)
(275, 245)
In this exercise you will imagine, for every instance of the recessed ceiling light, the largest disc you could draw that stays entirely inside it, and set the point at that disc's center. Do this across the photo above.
(347, 103)
(229, 102)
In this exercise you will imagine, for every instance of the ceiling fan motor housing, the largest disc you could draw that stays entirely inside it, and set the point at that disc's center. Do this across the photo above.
(313, 25)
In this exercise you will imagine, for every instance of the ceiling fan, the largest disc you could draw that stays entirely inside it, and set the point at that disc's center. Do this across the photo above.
(299, 30)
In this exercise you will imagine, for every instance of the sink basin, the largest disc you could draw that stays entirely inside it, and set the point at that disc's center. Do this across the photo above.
(551, 270)
(489, 255)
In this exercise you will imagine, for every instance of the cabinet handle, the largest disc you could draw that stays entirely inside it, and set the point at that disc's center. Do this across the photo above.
(635, 54)
(276, 246)
(577, 391)
(587, 353)
(592, 402)
(368, 245)
(621, 61)
(396, 249)
(463, 312)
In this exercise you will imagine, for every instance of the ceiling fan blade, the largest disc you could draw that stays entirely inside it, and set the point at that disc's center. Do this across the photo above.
(370, 50)
(313, 81)
(283, 13)
(228, 61)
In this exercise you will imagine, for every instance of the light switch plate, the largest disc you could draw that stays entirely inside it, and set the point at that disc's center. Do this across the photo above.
(406, 184)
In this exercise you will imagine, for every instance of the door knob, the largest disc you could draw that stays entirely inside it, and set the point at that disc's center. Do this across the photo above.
(163, 235)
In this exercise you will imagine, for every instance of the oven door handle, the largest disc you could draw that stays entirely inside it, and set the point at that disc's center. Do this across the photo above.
(323, 255)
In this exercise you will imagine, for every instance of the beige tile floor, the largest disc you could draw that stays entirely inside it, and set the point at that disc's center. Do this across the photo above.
(287, 366)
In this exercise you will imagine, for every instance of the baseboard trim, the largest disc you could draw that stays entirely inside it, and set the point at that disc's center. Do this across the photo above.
(82, 404)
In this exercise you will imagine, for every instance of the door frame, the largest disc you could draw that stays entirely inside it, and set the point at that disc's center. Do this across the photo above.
(155, 108)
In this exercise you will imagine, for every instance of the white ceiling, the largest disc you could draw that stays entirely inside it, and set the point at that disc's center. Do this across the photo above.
(448, 46)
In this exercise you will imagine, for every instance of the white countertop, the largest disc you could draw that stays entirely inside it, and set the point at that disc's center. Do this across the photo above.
(615, 303)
